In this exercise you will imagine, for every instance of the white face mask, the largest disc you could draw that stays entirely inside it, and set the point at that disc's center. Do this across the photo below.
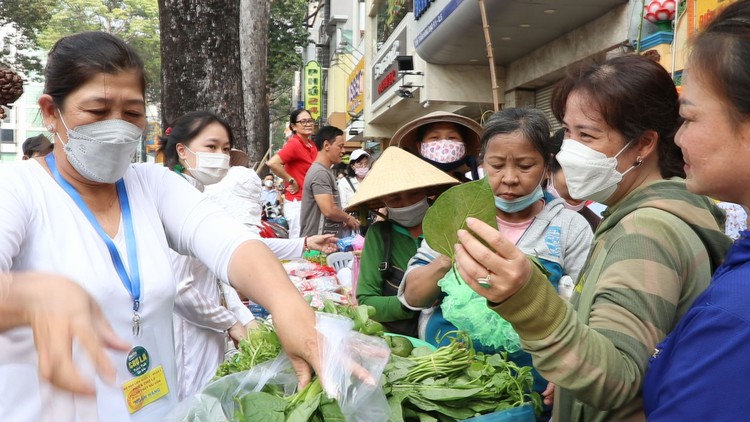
(210, 167)
(553, 190)
(268, 183)
(590, 174)
(101, 151)
(409, 216)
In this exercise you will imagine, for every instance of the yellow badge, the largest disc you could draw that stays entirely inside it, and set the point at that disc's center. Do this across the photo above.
(145, 389)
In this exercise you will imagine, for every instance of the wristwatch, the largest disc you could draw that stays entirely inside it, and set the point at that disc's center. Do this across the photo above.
(291, 181)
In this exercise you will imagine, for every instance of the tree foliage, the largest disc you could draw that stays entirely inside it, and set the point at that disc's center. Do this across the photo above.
(287, 32)
(28, 18)
(42, 22)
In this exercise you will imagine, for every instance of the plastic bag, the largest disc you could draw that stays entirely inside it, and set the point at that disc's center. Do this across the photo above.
(468, 311)
(352, 367)
(346, 244)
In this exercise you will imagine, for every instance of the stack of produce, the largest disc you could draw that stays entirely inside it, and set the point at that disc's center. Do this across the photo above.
(448, 384)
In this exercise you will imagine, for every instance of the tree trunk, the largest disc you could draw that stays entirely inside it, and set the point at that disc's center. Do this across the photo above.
(200, 58)
(254, 15)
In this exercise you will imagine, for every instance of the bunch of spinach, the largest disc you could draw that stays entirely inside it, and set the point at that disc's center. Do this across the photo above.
(271, 404)
(360, 314)
(455, 383)
(260, 345)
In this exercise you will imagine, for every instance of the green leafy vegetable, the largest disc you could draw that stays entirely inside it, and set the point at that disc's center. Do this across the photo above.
(260, 345)
(451, 209)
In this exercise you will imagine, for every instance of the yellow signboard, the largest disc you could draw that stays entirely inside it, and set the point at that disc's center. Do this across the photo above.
(311, 86)
(355, 93)
(705, 10)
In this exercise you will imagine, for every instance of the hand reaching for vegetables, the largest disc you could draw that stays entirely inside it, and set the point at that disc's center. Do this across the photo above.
(296, 331)
(59, 311)
(502, 267)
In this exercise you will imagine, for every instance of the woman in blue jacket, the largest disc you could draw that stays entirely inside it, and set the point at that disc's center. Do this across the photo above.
(699, 372)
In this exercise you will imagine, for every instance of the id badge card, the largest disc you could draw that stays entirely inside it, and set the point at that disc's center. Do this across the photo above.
(147, 383)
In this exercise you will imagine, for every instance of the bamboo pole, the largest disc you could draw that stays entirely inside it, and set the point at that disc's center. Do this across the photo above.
(490, 57)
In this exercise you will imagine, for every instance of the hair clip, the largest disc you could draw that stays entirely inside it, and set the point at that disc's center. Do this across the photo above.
(168, 131)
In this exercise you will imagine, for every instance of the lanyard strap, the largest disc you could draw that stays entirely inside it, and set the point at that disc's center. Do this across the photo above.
(133, 286)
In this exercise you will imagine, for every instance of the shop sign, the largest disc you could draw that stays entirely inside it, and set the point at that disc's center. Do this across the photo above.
(430, 27)
(420, 6)
(311, 87)
(355, 94)
(706, 10)
(385, 70)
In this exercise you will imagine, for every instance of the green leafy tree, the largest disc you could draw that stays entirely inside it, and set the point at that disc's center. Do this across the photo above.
(287, 31)
(28, 18)
(42, 22)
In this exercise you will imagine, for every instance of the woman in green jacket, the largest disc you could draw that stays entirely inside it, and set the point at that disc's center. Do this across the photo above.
(652, 254)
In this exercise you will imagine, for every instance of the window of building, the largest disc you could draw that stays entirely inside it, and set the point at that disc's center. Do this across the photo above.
(390, 14)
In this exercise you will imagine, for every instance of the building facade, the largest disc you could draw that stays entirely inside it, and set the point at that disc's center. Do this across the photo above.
(430, 55)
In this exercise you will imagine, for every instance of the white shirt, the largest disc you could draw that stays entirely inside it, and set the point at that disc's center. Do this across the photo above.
(42, 229)
(346, 192)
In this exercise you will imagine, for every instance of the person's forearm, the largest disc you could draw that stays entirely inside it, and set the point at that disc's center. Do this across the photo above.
(12, 298)
(270, 287)
(278, 169)
(420, 288)
(336, 214)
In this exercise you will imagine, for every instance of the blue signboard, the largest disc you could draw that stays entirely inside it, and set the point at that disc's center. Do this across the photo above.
(436, 21)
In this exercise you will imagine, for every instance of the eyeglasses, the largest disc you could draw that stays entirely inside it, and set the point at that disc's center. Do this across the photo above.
(307, 122)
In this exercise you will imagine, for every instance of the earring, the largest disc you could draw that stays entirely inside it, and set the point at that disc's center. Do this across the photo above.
(638, 161)
(50, 128)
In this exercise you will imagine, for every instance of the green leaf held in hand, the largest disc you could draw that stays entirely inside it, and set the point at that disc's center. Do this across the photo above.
(451, 209)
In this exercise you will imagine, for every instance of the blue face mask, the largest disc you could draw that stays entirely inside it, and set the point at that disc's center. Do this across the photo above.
(519, 204)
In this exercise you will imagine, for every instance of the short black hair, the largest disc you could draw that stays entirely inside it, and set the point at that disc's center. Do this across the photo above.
(38, 143)
(184, 129)
(326, 133)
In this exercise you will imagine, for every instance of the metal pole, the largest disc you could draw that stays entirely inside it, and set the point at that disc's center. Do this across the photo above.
(490, 57)
(640, 28)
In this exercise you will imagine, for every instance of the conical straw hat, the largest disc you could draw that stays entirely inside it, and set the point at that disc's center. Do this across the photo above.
(398, 171)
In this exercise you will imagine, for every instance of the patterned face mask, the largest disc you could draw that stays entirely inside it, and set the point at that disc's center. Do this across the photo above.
(443, 150)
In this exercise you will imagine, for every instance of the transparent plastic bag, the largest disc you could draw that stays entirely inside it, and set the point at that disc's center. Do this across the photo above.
(352, 364)
(347, 244)
(468, 311)
(223, 400)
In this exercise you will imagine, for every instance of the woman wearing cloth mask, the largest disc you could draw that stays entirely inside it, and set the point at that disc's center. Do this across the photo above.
(359, 166)
(197, 146)
(98, 221)
(652, 255)
(514, 157)
(405, 198)
(699, 372)
(446, 140)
